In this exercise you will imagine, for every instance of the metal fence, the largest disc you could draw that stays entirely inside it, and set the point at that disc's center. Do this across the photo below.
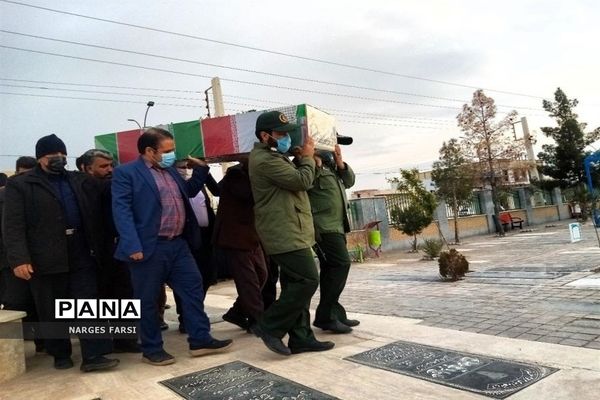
(472, 208)
(540, 198)
(511, 201)
(402, 201)
(397, 200)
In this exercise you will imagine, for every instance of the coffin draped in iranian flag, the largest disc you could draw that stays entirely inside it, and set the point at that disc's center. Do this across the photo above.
(224, 138)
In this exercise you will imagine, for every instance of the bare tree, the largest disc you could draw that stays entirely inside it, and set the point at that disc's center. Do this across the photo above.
(487, 145)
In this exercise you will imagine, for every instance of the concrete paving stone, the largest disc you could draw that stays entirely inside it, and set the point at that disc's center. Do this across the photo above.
(465, 323)
(516, 321)
(593, 345)
(476, 320)
(435, 319)
(492, 332)
(561, 334)
(550, 339)
(492, 321)
(573, 342)
(566, 320)
(529, 325)
(545, 320)
(506, 327)
(448, 321)
(555, 322)
(518, 329)
(529, 336)
(583, 336)
(509, 334)
(577, 329)
(530, 315)
(552, 328)
(540, 332)
(473, 329)
(441, 325)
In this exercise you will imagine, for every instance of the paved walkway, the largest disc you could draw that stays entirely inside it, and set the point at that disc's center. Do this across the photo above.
(517, 304)
(533, 285)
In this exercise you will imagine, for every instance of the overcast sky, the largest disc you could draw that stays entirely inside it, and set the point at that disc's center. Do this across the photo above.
(523, 47)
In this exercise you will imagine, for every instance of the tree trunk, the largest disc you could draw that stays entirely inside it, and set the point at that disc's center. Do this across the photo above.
(414, 243)
(490, 162)
(497, 210)
(455, 211)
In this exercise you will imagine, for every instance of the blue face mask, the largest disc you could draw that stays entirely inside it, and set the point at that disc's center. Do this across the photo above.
(284, 144)
(168, 159)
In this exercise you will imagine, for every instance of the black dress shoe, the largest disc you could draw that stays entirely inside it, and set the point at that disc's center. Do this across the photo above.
(273, 343)
(333, 326)
(314, 345)
(98, 363)
(158, 358)
(215, 346)
(236, 319)
(350, 322)
(63, 363)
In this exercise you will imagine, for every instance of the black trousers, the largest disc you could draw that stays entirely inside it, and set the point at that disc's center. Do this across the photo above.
(334, 273)
(205, 259)
(79, 283)
(114, 282)
(249, 271)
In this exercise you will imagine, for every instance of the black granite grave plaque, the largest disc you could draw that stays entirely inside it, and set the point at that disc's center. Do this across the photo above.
(488, 376)
(240, 381)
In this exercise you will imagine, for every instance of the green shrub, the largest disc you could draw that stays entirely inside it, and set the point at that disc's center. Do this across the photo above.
(432, 248)
(357, 254)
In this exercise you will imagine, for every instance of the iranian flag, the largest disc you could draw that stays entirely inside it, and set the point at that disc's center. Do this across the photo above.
(222, 138)
(123, 145)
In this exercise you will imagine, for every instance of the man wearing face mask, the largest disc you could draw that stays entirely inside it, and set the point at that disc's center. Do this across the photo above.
(55, 222)
(157, 228)
(285, 227)
(330, 214)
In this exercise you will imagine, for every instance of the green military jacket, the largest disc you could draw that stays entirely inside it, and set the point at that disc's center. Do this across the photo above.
(328, 199)
(282, 210)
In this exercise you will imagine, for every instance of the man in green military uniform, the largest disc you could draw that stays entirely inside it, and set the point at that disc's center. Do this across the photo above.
(285, 227)
(329, 208)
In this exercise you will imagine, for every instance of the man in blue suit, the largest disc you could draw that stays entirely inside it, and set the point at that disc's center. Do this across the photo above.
(157, 227)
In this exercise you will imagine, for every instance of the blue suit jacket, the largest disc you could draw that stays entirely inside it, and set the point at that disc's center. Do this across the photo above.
(137, 209)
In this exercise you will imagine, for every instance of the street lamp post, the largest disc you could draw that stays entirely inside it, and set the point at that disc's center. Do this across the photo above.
(138, 124)
(150, 104)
